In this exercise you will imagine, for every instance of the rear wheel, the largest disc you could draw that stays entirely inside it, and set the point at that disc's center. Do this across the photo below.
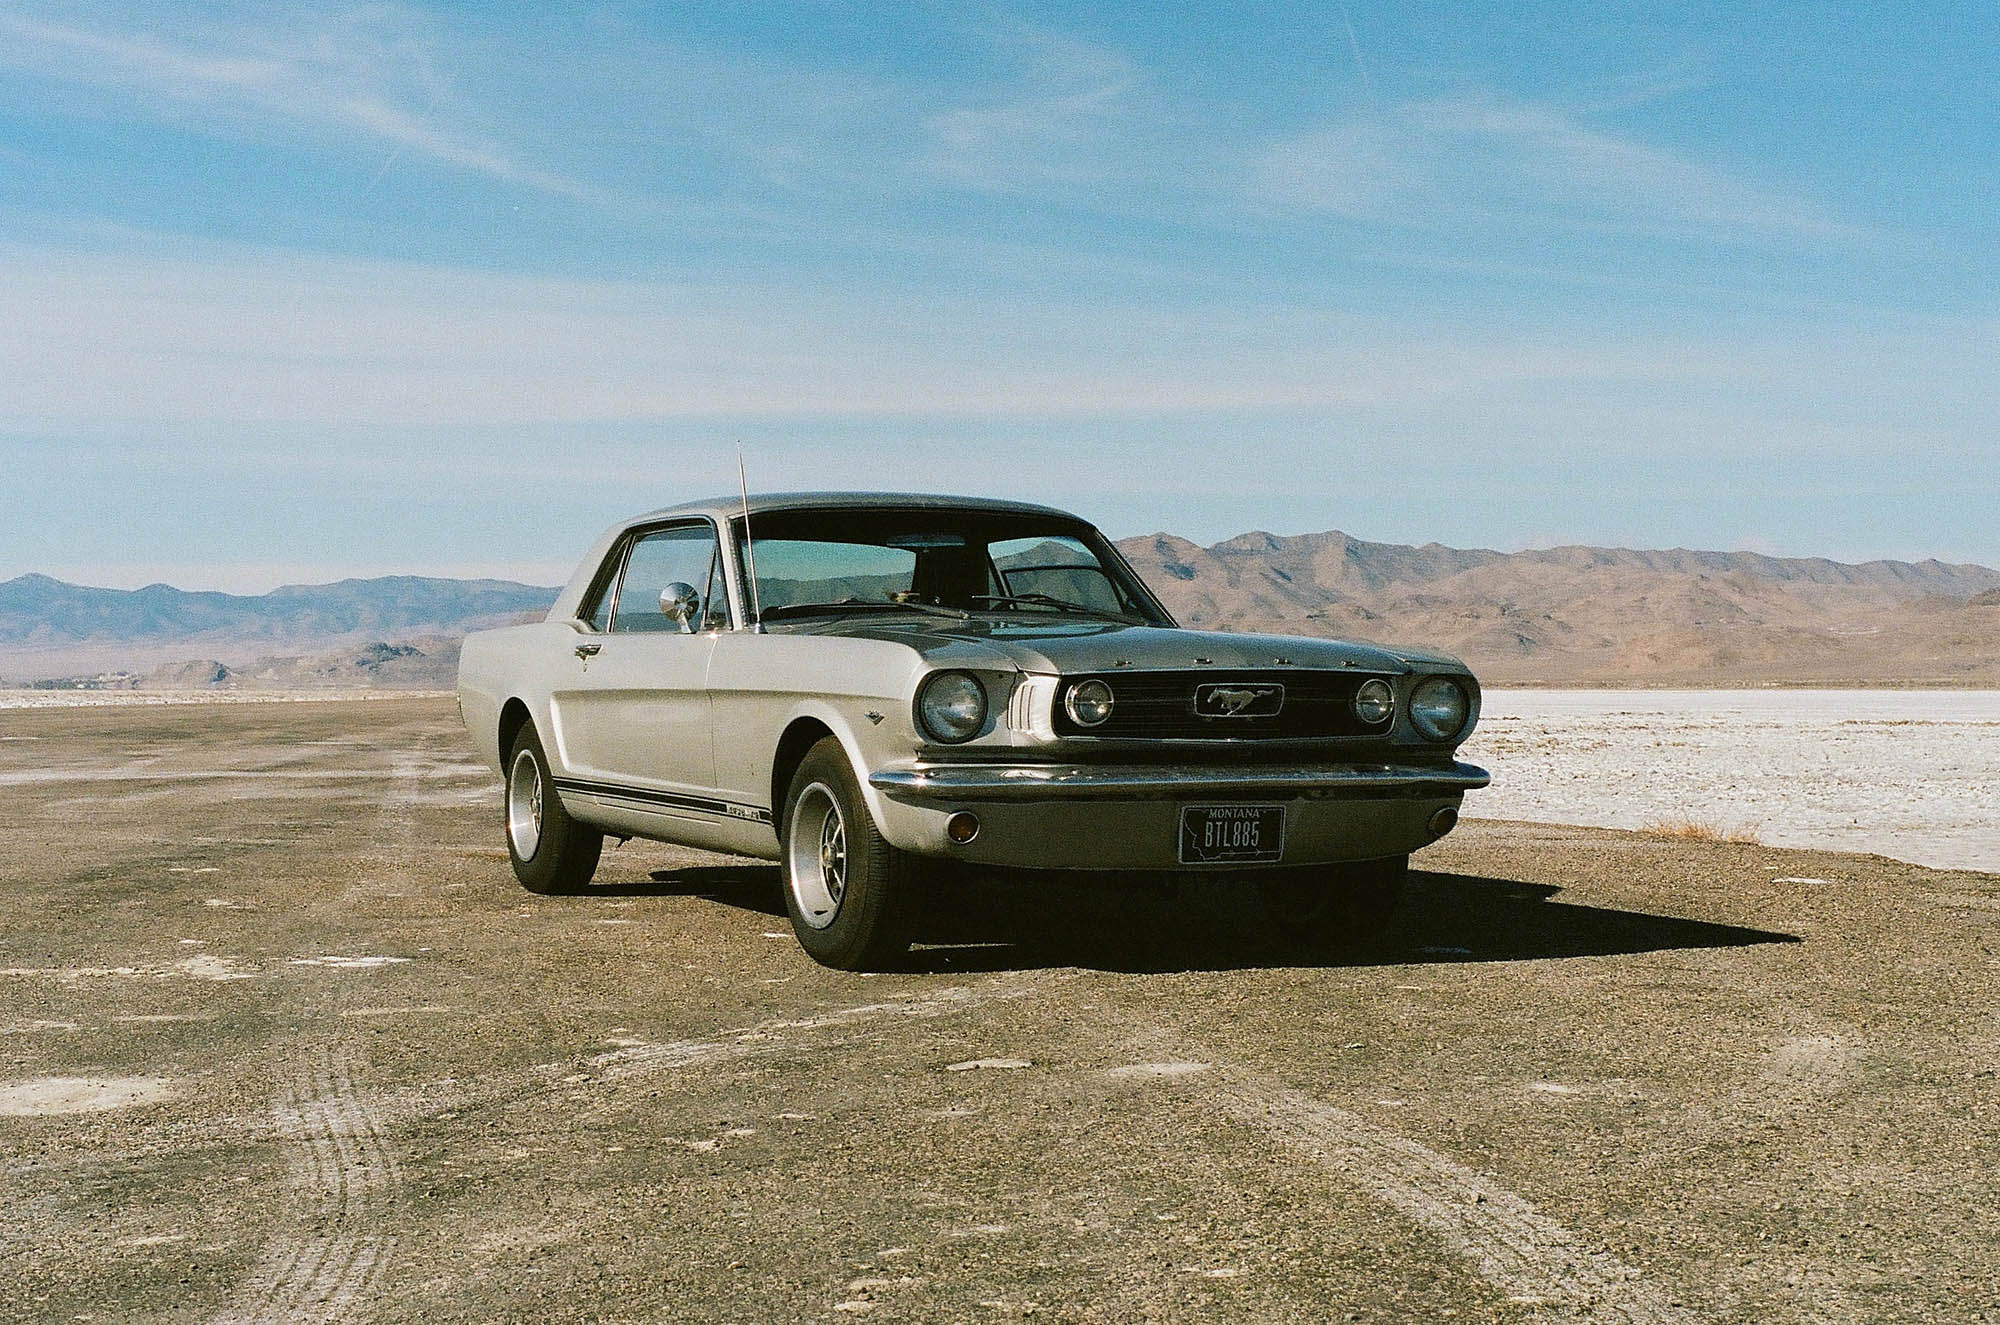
(552, 853)
(1346, 905)
(847, 890)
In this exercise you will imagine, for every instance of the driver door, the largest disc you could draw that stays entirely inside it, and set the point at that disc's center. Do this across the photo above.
(633, 709)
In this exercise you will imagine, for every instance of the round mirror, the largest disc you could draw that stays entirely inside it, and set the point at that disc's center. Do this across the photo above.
(679, 602)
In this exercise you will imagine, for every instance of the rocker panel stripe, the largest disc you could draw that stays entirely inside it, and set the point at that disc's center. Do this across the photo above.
(665, 799)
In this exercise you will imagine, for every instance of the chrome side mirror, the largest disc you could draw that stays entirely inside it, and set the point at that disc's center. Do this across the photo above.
(679, 603)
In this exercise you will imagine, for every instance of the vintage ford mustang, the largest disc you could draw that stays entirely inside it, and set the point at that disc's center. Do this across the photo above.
(860, 686)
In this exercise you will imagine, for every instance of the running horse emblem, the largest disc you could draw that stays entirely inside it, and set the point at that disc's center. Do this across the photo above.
(1236, 701)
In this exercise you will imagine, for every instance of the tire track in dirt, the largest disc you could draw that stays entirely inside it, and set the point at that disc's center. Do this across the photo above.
(771, 1036)
(398, 844)
(412, 1102)
(1531, 1257)
(1538, 1263)
(1554, 1272)
(342, 1178)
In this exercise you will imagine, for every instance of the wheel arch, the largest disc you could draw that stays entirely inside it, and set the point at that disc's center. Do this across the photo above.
(800, 735)
(513, 716)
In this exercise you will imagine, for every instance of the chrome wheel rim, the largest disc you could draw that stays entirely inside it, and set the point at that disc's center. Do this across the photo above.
(816, 856)
(524, 806)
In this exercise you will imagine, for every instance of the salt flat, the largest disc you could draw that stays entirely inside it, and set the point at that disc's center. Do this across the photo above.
(65, 699)
(1911, 774)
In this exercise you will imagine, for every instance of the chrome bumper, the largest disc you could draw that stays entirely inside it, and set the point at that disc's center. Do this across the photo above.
(1034, 782)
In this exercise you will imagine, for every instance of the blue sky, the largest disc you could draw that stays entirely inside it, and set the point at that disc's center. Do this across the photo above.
(289, 293)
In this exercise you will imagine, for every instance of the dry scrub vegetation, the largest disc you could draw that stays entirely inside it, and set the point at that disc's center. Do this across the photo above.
(1696, 830)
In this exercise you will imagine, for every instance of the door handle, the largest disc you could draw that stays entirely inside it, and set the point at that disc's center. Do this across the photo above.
(587, 651)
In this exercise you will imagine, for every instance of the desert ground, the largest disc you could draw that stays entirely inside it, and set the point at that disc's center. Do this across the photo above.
(282, 1040)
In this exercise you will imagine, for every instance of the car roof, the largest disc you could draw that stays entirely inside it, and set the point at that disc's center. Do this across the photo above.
(728, 507)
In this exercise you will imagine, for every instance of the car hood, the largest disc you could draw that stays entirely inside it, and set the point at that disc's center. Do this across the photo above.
(1089, 646)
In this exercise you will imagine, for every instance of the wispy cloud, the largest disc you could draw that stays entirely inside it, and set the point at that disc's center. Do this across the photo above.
(252, 337)
(368, 75)
(112, 58)
(1489, 158)
(1030, 111)
(1045, 121)
(412, 132)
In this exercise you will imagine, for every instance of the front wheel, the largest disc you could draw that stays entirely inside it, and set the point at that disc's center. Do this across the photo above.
(847, 890)
(1349, 905)
(552, 853)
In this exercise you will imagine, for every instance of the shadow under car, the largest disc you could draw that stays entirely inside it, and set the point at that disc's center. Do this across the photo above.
(981, 922)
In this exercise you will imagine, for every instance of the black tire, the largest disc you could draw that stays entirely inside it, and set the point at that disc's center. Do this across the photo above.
(860, 920)
(561, 852)
(1345, 906)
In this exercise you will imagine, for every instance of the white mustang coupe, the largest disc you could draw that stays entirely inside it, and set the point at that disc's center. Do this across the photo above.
(859, 686)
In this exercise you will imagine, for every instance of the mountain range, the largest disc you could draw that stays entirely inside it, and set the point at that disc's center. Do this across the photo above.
(50, 628)
(1562, 616)
(1592, 615)
(36, 610)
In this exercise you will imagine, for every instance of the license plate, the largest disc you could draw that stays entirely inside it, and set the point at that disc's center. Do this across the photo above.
(1232, 834)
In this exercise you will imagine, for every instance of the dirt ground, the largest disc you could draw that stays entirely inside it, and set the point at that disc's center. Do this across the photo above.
(282, 1040)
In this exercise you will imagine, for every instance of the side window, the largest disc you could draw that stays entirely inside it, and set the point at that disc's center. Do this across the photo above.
(715, 598)
(597, 604)
(684, 554)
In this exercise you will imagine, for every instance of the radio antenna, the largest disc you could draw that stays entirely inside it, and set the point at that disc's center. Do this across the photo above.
(749, 546)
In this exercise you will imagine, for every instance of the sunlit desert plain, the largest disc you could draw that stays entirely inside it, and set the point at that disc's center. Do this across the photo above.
(284, 1040)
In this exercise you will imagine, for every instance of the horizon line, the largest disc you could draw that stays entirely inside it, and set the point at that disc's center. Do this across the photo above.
(254, 580)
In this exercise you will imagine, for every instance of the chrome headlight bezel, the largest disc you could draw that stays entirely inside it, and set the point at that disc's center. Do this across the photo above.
(951, 719)
(1075, 705)
(1374, 702)
(1440, 721)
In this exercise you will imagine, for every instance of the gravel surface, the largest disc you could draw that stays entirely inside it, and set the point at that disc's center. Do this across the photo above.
(282, 1040)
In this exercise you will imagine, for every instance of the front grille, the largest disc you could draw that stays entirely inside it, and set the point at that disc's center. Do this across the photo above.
(1160, 706)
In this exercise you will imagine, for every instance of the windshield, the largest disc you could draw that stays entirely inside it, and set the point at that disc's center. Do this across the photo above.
(948, 561)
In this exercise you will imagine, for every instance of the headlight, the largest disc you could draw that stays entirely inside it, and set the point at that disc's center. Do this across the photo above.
(1438, 707)
(952, 706)
(1088, 703)
(1374, 703)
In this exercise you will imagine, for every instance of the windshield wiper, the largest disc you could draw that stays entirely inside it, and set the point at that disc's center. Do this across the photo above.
(852, 604)
(1051, 601)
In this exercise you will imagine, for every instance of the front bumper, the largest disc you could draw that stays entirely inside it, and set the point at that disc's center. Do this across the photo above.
(1034, 782)
(1126, 817)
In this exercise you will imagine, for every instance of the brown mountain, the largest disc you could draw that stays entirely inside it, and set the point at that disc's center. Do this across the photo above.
(1599, 616)
(1560, 616)
(334, 632)
(428, 662)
